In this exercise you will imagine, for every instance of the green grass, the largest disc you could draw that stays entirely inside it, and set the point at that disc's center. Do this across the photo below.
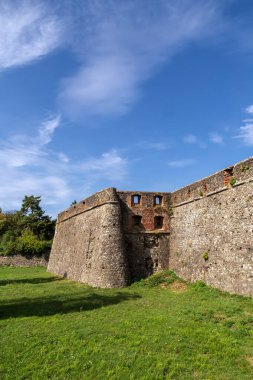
(52, 328)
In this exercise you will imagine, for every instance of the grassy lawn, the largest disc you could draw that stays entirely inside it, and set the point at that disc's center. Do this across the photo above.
(56, 329)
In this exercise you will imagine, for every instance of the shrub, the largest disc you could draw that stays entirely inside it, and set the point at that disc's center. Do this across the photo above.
(29, 244)
(164, 277)
(7, 243)
(199, 285)
(232, 181)
(244, 168)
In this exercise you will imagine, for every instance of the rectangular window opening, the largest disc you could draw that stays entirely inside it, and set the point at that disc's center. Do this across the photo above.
(158, 200)
(158, 222)
(137, 220)
(136, 199)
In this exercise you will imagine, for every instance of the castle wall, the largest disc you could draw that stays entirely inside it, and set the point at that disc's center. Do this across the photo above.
(147, 243)
(212, 230)
(203, 231)
(89, 245)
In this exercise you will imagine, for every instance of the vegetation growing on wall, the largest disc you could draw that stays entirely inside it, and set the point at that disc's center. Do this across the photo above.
(232, 181)
(27, 231)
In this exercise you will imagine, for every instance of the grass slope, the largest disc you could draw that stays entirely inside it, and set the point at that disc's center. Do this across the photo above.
(56, 329)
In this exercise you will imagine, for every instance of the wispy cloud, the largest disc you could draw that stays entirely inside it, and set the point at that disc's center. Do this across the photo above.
(181, 163)
(216, 138)
(246, 133)
(155, 145)
(29, 30)
(28, 166)
(249, 109)
(194, 140)
(120, 44)
(110, 165)
(47, 129)
(246, 130)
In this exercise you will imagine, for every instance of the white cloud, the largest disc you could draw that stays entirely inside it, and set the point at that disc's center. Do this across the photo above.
(181, 163)
(190, 139)
(194, 140)
(28, 166)
(216, 138)
(246, 133)
(121, 44)
(110, 165)
(249, 109)
(47, 129)
(156, 145)
(29, 30)
(246, 130)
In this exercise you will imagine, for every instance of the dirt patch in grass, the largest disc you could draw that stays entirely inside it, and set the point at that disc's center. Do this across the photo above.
(177, 286)
(249, 359)
(218, 317)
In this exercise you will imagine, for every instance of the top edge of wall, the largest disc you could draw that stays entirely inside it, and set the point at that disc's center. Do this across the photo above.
(97, 199)
(136, 192)
(228, 177)
(241, 171)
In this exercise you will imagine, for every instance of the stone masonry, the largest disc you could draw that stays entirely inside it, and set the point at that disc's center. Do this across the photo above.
(203, 231)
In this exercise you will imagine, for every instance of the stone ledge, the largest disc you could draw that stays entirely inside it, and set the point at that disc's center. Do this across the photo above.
(87, 209)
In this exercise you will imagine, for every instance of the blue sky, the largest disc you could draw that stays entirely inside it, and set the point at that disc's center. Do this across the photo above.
(139, 95)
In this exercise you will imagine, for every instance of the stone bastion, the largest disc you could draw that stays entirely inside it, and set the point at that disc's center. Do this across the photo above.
(203, 231)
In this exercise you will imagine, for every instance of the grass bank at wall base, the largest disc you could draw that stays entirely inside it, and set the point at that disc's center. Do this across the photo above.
(159, 328)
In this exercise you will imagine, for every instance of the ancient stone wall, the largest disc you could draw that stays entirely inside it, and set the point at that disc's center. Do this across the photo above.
(203, 231)
(24, 261)
(212, 230)
(89, 246)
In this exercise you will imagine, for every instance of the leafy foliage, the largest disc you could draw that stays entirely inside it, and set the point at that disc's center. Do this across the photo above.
(165, 277)
(232, 181)
(27, 231)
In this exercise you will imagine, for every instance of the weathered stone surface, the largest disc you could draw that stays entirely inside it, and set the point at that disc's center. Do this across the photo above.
(147, 253)
(147, 246)
(89, 246)
(98, 243)
(212, 236)
(203, 231)
(24, 261)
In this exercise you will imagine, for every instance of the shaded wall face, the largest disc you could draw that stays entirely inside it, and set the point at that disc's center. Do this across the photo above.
(147, 253)
(212, 236)
(145, 220)
(89, 246)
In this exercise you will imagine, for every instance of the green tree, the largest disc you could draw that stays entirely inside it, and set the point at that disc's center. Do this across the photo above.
(27, 231)
(32, 217)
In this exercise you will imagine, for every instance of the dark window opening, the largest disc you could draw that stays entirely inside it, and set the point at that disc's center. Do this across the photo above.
(137, 220)
(136, 199)
(158, 222)
(158, 200)
(229, 171)
(228, 174)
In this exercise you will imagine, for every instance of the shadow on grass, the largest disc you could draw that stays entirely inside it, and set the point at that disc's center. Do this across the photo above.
(46, 306)
(35, 280)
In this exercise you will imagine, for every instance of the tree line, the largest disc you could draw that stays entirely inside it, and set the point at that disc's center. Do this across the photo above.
(28, 231)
